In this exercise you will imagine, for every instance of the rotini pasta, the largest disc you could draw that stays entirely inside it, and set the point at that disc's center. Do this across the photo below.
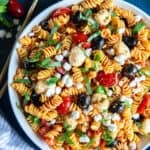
(84, 79)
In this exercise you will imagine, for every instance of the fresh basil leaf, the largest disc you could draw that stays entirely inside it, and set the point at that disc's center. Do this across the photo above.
(26, 97)
(88, 13)
(93, 36)
(101, 90)
(97, 57)
(145, 71)
(52, 80)
(96, 66)
(51, 42)
(80, 133)
(138, 27)
(107, 138)
(27, 72)
(112, 28)
(4, 2)
(5, 22)
(36, 58)
(36, 121)
(90, 143)
(94, 25)
(140, 72)
(54, 64)
(88, 86)
(69, 141)
(25, 81)
(58, 46)
(45, 62)
(127, 104)
(54, 29)
(84, 69)
(3, 9)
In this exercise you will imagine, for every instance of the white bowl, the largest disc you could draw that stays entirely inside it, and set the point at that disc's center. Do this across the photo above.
(14, 64)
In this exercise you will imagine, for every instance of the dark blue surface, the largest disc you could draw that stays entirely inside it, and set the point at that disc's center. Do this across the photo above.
(6, 45)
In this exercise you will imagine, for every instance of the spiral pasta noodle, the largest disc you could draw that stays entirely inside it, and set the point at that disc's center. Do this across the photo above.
(52, 103)
(33, 110)
(49, 51)
(60, 21)
(40, 33)
(45, 74)
(77, 75)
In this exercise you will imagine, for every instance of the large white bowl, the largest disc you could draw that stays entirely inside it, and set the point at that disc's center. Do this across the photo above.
(14, 64)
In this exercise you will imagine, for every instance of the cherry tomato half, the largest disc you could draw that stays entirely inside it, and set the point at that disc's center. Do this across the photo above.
(145, 103)
(60, 70)
(61, 11)
(63, 108)
(15, 8)
(42, 131)
(106, 79)
(79, 37)
(86, 45)
(102, 144)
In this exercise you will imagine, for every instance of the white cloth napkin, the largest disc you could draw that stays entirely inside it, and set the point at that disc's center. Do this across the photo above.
(9, 139)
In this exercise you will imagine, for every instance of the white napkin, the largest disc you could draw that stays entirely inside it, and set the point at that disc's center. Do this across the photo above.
(9, 139)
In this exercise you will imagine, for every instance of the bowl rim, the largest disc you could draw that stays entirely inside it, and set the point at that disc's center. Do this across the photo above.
(12, 94)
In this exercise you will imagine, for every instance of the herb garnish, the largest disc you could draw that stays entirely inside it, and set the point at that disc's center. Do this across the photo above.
(52, 80)
(48, 63)
(25, 81)
(138, 27)
(65, 137)
(26, 98)
(88, 85)
(107, 138)
(84, 69)
(90, 143)
(101, 90)
(36, 58)
(34, 119)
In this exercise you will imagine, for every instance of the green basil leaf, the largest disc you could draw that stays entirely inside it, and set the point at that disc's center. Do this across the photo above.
(54, 29)
(45, 62)
(26, 97)
(127, 104)
(90, 143)
(138, 27)
(58, 46)
(69, 141)
(101, 90)
(4, 2)
(52, 80)
(36, 121)
(93, 36)
(54, 64)
(84, 69)
(88, 13)
(25, 81)
(139, 124)
(94, 25)
(51, 42)
(88, 86)
(140, 72)
(145, 71)
(36, 58)
(96, 66)
(27, 72)
(97, 57)
(107, 138)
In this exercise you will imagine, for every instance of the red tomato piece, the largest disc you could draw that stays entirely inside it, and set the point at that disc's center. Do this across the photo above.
(60, 70)
(63, 108)
(102, 144)
(106, 79)
(144, 104)
(79, 37)
(86, 45)
(15, 8)
(42, 131)
(89, 133)
(61, 11)
(43, 122)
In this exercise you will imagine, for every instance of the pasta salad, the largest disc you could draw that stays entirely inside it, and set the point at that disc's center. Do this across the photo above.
(84, 77)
